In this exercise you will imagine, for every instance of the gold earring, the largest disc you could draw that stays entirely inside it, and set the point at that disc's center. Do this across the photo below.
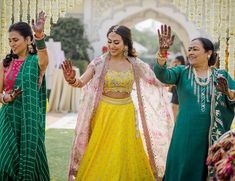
(30, 48)
(125, 52)
(208, 57)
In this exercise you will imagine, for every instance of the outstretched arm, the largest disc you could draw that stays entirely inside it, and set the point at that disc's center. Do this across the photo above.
(165, 41)
(70, 75)
(165, 75)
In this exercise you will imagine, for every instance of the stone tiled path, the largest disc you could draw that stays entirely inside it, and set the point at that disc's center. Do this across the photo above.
(61, 120)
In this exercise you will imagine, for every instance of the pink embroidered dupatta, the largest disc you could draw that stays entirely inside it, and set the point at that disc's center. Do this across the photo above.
(154, 114)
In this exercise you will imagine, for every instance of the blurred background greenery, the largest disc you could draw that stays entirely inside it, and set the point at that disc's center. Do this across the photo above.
(58, 147)
(70, 32)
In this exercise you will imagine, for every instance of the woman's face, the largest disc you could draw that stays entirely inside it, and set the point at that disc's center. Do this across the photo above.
(197, 54)
(18, 43)
(115, 44)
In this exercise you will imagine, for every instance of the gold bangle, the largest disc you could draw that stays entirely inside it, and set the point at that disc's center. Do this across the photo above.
(77, 83)
(72, 81)
(161, 58)
(162, 54)
(158, 54)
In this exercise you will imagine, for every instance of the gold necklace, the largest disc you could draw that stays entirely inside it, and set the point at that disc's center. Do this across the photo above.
(197, 79)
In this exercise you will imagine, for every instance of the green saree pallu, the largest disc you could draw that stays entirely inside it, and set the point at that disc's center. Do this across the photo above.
(22, 129)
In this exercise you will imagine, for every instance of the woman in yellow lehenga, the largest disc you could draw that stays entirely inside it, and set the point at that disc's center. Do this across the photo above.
(124, 122)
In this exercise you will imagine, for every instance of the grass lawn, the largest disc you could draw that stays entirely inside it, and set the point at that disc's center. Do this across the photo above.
(58, 146)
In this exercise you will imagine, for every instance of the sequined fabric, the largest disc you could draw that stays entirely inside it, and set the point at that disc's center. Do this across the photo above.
(11, 73)
(116, 81)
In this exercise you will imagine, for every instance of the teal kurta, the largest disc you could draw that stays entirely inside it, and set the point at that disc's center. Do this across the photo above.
(22, 129)
(197, 126)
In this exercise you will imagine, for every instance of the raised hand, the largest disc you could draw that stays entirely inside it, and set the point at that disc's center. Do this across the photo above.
(38, 26)
(69, 73)
(165, 38)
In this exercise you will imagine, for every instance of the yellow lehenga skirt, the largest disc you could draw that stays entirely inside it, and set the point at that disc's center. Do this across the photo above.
(114, 152)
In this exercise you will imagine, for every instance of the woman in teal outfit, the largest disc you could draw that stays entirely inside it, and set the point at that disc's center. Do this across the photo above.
(206, 107)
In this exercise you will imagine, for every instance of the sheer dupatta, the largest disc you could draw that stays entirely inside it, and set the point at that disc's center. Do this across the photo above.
(154, 115)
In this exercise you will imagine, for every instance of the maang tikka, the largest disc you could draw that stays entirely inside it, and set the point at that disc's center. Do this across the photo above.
(115, 28)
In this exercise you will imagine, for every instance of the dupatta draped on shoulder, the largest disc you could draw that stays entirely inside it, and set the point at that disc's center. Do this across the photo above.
(154, 117)
(22, 128)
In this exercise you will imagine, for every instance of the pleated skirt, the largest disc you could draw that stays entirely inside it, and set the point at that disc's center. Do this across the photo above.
(115, 150)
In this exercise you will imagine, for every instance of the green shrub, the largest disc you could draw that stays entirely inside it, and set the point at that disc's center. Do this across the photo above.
(70, 32)
(81, 64)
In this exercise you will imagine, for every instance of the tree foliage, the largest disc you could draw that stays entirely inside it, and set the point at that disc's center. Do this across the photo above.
(70, 32)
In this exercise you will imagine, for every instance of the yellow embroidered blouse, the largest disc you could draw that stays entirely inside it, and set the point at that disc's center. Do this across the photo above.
(119, 81)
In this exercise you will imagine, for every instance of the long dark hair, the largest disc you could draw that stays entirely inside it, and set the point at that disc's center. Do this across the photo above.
(208, 45)
(24, 30)
(125, 33)
(180, 58)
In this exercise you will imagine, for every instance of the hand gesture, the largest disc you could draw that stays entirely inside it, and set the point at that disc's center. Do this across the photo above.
(165, 38)
(13, 95)
(69, 73)
(38, 26)
(222, 85)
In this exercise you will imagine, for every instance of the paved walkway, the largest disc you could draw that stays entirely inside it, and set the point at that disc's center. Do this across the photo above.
(61, 120)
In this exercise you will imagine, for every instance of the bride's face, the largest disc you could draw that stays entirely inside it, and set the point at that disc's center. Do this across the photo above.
(115, 44)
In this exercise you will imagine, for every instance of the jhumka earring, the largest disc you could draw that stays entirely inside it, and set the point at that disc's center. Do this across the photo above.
(125, 52)
(30, 48)
(208, 57)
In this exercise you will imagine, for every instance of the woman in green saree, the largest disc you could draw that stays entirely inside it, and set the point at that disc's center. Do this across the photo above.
(23, 98)
(206, 106)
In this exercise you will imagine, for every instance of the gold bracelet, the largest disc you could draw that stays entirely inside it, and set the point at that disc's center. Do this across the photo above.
(160, 57)
(158, 54)
(72, 81)
(77, 83)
